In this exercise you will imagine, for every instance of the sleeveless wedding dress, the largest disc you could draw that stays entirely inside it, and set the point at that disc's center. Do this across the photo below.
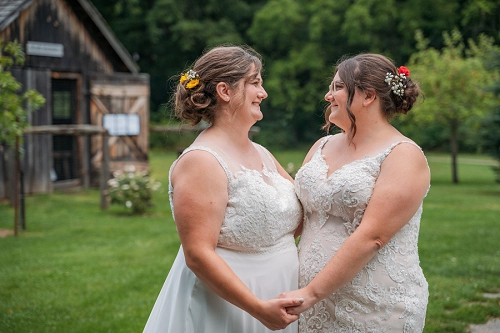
(256, 241)
(390, 293)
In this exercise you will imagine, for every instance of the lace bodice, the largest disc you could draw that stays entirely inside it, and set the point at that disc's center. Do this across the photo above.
(262, 211)
(390, 293)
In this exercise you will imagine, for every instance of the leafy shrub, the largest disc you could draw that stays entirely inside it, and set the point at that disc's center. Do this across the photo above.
(132, 189)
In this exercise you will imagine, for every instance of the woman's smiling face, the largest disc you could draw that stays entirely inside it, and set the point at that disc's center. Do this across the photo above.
(337, 97)
(252, 94)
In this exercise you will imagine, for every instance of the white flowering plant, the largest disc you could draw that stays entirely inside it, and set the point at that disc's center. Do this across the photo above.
(133, 189)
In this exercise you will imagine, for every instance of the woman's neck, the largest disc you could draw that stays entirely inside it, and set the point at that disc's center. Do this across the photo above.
(228, 133)
(372, 132)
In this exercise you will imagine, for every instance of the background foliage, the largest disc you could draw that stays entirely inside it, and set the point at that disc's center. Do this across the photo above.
(14, 106)
(300, 41)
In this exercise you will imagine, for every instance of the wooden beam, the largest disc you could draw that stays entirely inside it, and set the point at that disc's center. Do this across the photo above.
(78, 130)
(254, 130)
(66, 130)
(177, 128)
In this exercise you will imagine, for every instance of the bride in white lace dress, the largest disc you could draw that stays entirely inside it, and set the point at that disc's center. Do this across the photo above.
(235, 210)
(362, 193)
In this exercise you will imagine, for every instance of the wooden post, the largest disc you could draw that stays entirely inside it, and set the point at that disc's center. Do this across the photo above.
(104, 171)
(16, 187)
(21, 200)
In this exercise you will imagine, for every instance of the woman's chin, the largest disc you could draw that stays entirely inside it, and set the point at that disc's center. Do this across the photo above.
(258, 116)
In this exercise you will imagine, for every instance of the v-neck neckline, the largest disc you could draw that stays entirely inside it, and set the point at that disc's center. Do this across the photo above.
(366, 157)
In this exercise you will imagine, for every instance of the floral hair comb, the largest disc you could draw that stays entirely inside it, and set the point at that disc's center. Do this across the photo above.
(191, 77)
(397, 82)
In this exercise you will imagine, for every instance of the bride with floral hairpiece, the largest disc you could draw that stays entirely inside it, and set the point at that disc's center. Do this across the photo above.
(362, 193)
(235, 210)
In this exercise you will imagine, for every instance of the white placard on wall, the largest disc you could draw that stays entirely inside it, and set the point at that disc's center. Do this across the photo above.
(122, 124)
(45, 49)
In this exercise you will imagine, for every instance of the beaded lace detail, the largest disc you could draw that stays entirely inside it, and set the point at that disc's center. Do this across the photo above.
(261, 216)
(390, 293)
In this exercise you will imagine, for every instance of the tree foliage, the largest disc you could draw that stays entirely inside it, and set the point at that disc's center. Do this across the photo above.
(13, 114)
(454, 81)
(302, 44)
(490, 129)
(300, 41)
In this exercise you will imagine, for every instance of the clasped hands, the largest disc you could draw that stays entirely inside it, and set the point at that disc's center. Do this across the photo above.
(284, 309)
(306, 301)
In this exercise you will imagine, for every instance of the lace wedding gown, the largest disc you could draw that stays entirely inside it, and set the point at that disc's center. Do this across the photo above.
(256, 241)
(390, 293)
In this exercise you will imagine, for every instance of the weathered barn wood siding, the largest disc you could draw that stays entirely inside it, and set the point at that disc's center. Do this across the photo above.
(53, 21)
(37, 149)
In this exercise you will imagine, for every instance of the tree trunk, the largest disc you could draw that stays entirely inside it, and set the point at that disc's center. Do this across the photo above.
(454, 150)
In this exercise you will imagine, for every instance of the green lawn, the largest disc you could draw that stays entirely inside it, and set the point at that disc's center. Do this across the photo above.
(79, 269)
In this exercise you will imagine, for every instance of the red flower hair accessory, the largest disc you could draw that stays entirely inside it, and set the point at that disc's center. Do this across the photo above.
(404, 70)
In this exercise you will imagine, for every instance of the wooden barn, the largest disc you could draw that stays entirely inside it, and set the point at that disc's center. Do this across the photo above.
(87, 78)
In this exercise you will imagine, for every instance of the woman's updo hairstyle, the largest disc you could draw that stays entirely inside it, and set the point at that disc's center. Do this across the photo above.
(368, 72)
(227, 64)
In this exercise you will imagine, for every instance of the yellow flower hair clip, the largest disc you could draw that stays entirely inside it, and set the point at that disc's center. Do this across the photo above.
(191, 77)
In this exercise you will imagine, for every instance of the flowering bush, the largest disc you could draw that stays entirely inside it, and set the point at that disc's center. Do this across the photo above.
(132, 188)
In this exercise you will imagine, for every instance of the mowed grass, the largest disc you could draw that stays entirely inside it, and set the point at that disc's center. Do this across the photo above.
(79, 269)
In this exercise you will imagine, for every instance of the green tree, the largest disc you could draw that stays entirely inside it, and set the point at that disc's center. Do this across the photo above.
(490, 129)
(13, 114)
(180, 30)
(480, 17)
(301, 40)
(14, 108)
(453, 80)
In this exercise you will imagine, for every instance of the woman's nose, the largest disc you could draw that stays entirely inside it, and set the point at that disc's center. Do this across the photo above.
(263, 93)
(329, 96)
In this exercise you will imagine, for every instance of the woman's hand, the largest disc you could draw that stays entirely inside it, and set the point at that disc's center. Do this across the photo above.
(306, 300)
(274, 315)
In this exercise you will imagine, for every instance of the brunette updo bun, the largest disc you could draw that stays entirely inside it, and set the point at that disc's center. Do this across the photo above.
(405, 103)
(227, 64)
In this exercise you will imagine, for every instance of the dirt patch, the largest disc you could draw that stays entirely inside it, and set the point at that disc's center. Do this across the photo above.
(6, 232)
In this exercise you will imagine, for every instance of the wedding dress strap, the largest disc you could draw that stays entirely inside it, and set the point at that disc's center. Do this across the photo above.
(272, 165)
(324, 141)
(209, 150)
(392, 146)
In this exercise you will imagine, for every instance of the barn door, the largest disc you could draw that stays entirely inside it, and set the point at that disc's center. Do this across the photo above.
(121, 104)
